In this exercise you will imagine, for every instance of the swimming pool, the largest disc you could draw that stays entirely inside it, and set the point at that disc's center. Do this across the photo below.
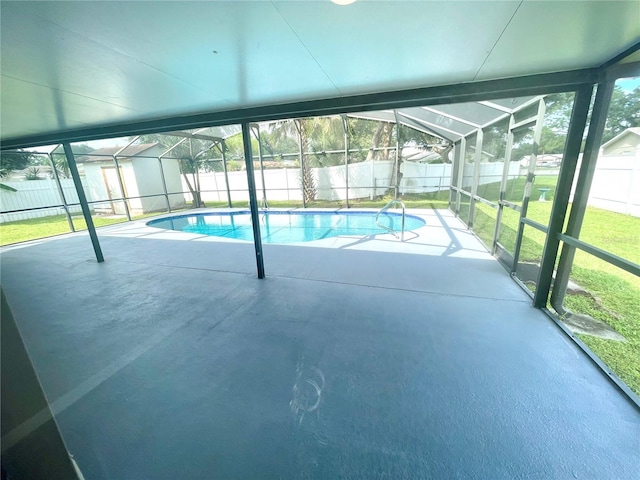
(286, 226)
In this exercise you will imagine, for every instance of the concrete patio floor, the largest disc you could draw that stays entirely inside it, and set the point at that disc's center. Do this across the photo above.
(354, 358)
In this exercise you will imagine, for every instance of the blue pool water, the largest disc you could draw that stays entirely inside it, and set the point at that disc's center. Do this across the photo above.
(287, 227)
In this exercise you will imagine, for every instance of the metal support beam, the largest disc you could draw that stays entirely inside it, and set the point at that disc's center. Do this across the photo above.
(197, 136)
(398, 155)
(73, 168)
(253, 201)
(196, 176)
(256, 133)
(345, 127)
(299, 128)
(477, 161)
(537, 136)
(61, 192)
(164, 185)
(222, 147)
(463, 148)
(453, 187)
(503, 184)
(119, 176)
(581, 194)
(121, 185)
(563, 190)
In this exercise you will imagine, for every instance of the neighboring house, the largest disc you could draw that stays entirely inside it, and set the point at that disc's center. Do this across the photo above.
(548, 160)
(141, 176)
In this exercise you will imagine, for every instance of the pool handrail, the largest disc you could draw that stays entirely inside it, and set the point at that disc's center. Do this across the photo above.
(391, 230)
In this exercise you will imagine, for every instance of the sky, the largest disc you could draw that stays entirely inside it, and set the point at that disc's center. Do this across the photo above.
(628, 84)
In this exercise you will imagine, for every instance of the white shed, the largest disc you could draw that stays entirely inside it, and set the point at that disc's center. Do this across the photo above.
(141, 176)
(616, 180)
(625, 143)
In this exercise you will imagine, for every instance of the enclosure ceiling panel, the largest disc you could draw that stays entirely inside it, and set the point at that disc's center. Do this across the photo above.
(71, 65)
(563, 35)
(370, 47)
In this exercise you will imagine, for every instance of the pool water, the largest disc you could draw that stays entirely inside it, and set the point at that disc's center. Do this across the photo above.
(287, 227)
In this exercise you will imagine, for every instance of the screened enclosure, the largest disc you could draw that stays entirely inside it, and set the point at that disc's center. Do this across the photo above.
(501, 165)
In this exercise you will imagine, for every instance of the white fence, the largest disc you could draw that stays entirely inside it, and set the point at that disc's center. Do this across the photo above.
(616, 185)
(43, 193)
(34, 194)
(366, 180)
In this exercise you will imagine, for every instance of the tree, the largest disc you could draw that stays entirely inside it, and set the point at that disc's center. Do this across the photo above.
(381, 141)
(624, 112)
(556, 122)
(307, 182)
(33, 173)
(551, 142)
(282, 134)
(14, 160)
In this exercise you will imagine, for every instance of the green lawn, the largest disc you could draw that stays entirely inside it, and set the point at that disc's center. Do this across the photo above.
(23, 230)
(35, 228)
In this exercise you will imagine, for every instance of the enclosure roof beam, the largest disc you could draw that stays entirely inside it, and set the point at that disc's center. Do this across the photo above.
(508, 111)
(445, 94)
(126, 146)
(495, 106)
(429, 124)
(197, 136)
(496, 120)
(621, 56)
(172, 147)
(423, 126)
